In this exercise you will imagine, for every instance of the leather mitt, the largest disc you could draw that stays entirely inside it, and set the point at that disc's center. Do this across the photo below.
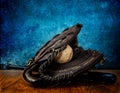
(43, 70)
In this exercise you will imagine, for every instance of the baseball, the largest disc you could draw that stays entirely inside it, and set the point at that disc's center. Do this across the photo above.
(65, 55)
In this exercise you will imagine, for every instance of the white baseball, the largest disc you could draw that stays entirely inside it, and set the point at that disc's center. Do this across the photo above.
(65, 55)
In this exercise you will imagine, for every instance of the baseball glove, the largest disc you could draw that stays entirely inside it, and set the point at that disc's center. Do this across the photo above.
(43, 69)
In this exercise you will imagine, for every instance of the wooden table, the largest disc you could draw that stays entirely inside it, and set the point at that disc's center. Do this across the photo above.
(11, 81)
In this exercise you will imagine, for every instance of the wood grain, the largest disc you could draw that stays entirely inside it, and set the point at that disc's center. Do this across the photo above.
(11, 81)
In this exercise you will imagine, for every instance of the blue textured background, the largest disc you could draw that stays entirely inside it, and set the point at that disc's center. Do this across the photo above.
(26, 25)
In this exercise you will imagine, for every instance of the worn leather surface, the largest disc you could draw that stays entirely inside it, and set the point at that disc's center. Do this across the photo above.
(42, 70)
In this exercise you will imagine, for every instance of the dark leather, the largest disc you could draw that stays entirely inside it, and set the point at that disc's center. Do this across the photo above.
(43, 71)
